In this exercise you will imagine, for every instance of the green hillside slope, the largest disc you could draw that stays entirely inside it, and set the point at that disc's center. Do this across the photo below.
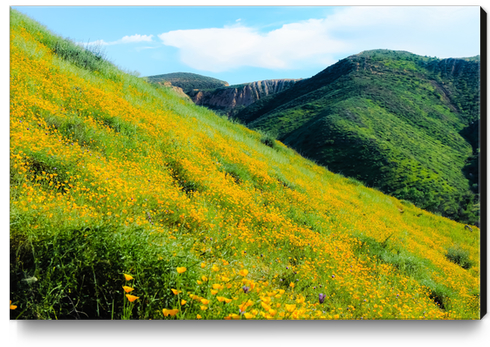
(188, 81)
(393, 120)
(129, 202)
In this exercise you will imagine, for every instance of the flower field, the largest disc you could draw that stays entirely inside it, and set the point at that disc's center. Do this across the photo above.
(129, 202)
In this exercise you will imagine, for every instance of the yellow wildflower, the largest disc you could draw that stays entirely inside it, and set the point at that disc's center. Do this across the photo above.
(128, 289)
(181, 270)
(243, 272)
(128, 277)
(12, 307)
(248, 315)
(131, 298)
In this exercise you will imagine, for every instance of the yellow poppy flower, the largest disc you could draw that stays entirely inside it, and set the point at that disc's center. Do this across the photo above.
(203, 265)
(175, 291)
(227, 300)
(12, 307)
(290, 308)
(214, 292)
(205, 301)
(265, 299)
(199, 316)
(217, 286)
(183, 302)
(131, 298)
(173, 312)
(204, 308)
(128, 277)
(243, 272)
(265, 306)
(248, 315)
(128, 289)
(181, 270)
(291, 285)
(204, 278)
(215, 268)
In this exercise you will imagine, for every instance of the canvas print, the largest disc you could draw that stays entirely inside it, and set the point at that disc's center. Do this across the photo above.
(245, 163)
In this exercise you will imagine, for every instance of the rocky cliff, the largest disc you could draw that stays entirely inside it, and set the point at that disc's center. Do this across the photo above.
(228, 99)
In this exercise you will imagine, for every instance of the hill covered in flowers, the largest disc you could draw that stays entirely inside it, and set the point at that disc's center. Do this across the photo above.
(129, 202)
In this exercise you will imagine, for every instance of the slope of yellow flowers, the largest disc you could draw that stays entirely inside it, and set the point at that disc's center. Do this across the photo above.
(118, 186)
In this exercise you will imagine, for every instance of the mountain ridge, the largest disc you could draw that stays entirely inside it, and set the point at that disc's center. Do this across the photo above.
(231, 99)
(330, 114)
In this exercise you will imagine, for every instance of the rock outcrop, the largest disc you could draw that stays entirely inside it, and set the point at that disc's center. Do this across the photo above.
(227, 99)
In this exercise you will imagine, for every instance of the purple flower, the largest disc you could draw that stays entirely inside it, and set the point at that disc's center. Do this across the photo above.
(333, 276)
(321, 298)
(245, 289)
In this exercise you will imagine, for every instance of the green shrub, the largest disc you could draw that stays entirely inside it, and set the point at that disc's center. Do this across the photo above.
(459, 256)
(89, 57)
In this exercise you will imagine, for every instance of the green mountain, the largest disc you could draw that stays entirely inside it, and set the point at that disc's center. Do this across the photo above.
(188, 81)
(399, 122)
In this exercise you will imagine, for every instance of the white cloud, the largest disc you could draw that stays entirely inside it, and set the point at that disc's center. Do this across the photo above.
(439, 31)
(126, 39)
(134, 38)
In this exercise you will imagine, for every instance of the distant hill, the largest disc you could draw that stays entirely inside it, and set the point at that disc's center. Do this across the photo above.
(230, 100)
(188, 81)
(399, 122)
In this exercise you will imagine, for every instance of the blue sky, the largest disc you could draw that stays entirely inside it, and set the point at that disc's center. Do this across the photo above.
(242, 44)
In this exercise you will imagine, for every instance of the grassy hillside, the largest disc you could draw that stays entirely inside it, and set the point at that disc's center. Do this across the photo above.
(128, 202)
(188, 81)
(396, 121)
